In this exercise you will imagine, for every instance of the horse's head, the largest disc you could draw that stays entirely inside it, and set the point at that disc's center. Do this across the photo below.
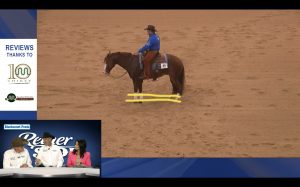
(109, 63)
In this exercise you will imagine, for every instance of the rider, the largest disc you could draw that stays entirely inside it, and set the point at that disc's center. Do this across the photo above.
(153, 44)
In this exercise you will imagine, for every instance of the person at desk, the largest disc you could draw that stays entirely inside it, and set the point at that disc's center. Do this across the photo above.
(79, 156)
(18, 156)
(49, 155)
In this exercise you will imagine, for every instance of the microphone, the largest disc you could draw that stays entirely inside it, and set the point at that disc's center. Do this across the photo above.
(49, 148)
(18, 156)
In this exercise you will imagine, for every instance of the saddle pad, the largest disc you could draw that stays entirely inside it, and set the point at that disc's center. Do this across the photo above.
(161, 65)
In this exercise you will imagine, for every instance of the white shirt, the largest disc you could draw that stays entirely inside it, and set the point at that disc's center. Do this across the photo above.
(12, 159)
(50, 156)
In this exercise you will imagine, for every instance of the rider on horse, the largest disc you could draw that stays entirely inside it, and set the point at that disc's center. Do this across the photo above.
(153, 45)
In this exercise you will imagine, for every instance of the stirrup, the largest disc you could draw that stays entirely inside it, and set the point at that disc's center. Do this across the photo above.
(142, 76)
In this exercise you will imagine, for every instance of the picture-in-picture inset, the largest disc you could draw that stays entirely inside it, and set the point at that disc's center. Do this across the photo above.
(50, 148)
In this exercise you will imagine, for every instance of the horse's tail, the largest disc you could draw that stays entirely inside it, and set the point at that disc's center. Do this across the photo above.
(182, 81)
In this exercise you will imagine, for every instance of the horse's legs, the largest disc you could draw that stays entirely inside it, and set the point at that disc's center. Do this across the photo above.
(135, 89)
(177, 85)
(173, 88)
(140, 88)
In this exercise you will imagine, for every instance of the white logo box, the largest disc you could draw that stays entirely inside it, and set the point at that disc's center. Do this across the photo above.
(20, 90)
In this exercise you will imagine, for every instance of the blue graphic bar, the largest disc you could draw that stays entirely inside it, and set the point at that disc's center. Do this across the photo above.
(200, 167)
(18, 115)
(18, 24)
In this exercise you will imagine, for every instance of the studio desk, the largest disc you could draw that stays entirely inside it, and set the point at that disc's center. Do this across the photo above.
(51, 172)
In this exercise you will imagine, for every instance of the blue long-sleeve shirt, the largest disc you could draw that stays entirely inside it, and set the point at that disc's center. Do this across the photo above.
(153, 43)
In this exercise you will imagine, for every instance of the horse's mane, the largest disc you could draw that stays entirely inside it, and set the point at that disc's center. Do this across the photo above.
(125, 54)
(122, 53)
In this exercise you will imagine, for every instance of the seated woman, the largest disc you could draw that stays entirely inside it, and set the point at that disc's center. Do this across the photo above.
(79, 157)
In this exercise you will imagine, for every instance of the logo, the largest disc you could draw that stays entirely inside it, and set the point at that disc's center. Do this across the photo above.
(36, 143)
(12, 158)
(20, 74)
(16, 126)
(12, 98)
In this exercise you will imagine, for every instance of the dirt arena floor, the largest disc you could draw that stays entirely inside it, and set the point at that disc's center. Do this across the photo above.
(242, 69)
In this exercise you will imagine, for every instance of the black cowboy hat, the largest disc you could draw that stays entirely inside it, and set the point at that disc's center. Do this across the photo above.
(48, 135)
(16, 142)
(151, 28)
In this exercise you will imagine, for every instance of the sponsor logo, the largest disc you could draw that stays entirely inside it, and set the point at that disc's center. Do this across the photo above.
(12, 98)
(20, 74)
(16, 126)
(36, 143)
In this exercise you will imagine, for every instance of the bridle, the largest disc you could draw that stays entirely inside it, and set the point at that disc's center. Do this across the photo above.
(117, 76)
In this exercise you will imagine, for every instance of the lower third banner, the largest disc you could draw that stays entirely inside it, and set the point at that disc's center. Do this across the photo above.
(200, 167)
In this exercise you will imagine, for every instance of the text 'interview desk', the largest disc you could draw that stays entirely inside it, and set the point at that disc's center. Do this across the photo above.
(50, 172)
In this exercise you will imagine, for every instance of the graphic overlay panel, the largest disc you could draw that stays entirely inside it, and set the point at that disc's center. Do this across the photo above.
(200, 167)
(18, 64)
(66, 133)
(18, 75)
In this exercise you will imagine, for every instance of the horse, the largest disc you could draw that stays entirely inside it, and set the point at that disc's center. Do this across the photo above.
(130, 63)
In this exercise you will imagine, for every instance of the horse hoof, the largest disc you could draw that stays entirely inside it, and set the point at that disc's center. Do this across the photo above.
(140, 102)
(135, 102)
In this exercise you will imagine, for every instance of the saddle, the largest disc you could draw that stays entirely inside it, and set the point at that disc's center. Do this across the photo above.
(159, 62)
(159, 58)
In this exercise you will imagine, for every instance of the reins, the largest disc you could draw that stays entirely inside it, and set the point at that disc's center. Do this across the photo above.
(118, 76)
(121, 75)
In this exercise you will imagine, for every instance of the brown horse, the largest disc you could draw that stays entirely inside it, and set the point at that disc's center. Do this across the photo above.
(130, 63)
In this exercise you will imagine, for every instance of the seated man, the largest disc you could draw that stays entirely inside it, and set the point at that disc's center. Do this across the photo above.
(18, 156)
(49, 155)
